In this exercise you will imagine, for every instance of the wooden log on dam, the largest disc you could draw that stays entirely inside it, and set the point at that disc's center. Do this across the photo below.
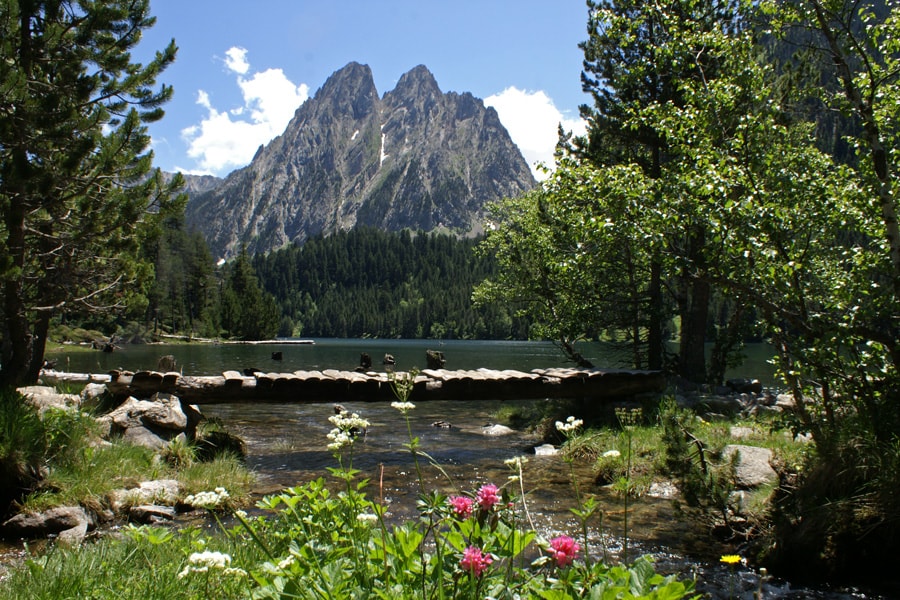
(430, 384)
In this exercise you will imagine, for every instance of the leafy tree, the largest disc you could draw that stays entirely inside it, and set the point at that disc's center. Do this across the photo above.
(810, 240)
(636, 56)
(75, 183)
(560, 249)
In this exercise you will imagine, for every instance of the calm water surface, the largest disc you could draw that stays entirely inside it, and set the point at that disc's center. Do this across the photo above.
(344, 354)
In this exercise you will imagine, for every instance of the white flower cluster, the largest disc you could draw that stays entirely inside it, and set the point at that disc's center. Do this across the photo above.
(570, 425)
(201, 562)
(282, 567)
(367, 518)
(339, 439)
(612, 454)
(403, 407)
(346, 427)
(208, 500)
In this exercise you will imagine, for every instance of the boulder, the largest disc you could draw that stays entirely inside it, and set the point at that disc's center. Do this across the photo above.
(153, 423)
(151, 513)
(434, 359)
(92, 392)
(740, 433)
(496, 430)
(785, 401)
(753, 468)
(44, 398)
(70, 522)
(546, 450)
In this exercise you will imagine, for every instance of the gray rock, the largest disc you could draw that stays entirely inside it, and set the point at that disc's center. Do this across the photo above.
(92, 392)
(785, 401)
(763, 410)
(662, 489)
(753, 467)
(546, 450)
(496, 430)
(73, 536)
(53, 521)
(44, 397)
(161, 491)
(152, 423)
(151, 513)
(740, 433)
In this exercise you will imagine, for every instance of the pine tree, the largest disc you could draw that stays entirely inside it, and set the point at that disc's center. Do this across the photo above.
(76, 191)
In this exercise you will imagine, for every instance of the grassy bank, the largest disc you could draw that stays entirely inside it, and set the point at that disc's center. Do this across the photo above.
(322, 541)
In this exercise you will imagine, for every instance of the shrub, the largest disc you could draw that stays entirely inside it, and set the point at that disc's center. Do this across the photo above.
(23, 447)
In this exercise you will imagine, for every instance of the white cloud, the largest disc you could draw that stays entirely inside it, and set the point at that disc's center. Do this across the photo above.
(532, 121)
(227, 139)
(236, 60)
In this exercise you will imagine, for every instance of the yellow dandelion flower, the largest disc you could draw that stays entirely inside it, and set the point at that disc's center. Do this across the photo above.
(731, 559)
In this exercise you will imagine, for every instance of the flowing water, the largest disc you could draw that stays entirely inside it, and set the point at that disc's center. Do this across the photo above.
(286, 446)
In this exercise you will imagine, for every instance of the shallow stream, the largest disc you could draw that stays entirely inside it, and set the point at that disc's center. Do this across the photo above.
(286, 446)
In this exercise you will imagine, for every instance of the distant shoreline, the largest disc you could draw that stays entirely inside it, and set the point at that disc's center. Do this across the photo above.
(284, 341)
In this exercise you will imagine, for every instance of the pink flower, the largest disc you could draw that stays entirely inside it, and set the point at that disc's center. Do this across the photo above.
(475, 561)
(563, 550)
(462, 506)
(487, 496)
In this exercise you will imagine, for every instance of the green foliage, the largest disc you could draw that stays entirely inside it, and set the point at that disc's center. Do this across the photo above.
(704, 479)
(34, 446)
(185, 295)
(23, 446)
(731, 197)
(557, 248)
(366, 282)
(247, 312)
(76, 190)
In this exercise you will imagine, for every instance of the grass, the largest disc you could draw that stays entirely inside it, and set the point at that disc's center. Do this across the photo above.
(317, 543)
(59, 459)
(90, 479)
(141, 564)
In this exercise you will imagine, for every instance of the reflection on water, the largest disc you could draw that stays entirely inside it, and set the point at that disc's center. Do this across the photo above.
(344, 354)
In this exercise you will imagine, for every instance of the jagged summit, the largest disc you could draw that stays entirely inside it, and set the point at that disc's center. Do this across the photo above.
(415, 158)
(417, 82)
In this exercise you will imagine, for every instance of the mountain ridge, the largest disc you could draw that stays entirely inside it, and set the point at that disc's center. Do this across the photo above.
(415, 158)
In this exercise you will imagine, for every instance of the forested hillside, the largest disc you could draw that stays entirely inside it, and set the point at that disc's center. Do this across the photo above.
(367, 282)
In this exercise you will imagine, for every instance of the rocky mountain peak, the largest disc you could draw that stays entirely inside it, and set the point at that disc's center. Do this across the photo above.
(350, 90)
(416, 83)
(417, 158)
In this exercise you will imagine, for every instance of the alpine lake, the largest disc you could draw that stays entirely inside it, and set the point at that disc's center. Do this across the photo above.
(286, 444)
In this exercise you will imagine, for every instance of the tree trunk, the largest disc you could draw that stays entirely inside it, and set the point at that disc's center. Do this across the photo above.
(17, 347)
(655, 350)
(695, 311)
(692, 352)
(38, 346)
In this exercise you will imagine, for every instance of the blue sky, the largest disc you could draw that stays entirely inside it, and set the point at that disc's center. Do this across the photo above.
(244, 67)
